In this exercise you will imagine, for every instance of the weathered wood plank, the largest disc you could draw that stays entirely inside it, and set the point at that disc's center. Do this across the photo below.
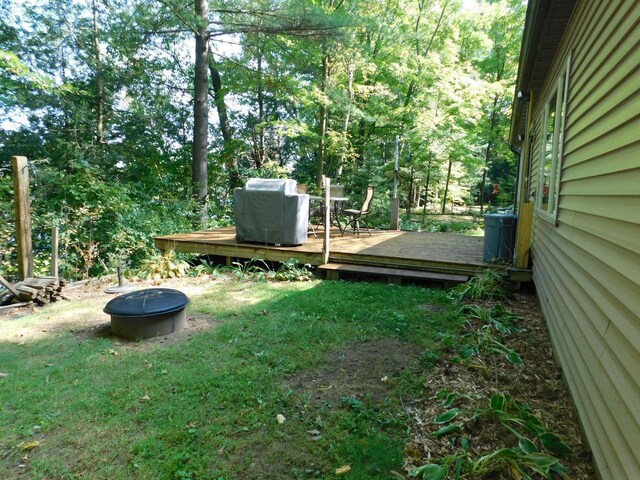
(9, 286)
(394, 272)
(14, 305)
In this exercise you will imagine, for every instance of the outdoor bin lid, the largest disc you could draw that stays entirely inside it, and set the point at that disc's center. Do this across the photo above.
(500, 215)
(152, 301)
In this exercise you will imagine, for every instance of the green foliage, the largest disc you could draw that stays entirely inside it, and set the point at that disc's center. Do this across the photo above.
(538, 449)
(487, 284)
(292, 271)
(431, 472)
(437, 223)
(111, 147)
(495, 324)
(254, 269)
(168, 265)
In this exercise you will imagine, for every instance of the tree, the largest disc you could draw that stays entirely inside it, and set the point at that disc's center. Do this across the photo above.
(201, 110)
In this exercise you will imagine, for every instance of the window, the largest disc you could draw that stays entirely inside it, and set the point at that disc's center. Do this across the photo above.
(553, 122)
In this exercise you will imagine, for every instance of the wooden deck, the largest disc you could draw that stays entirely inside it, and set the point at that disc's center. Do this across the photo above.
(433, 252)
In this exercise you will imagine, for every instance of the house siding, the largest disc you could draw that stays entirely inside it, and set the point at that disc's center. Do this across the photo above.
(586, 265)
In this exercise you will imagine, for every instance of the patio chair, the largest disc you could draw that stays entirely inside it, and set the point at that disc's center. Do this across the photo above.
(354, 217)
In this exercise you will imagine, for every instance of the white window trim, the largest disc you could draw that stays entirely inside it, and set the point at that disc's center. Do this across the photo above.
(562, 87)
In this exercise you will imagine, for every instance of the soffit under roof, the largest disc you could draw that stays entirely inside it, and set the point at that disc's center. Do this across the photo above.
(544, 28)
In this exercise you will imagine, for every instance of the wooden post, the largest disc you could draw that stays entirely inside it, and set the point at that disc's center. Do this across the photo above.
(54, 251)
(23, 216)
(327, 219)
(395, 203)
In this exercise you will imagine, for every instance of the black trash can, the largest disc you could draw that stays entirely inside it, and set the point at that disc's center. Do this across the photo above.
(499, 237)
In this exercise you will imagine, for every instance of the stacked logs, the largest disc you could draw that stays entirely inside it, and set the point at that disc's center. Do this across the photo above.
(40, 290)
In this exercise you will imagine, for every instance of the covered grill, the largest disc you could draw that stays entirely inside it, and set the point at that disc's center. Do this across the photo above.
(271, 211)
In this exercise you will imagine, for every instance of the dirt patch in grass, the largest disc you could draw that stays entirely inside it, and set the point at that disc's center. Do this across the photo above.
(82, 316)
(195, 324)
(365, 371)
(537, 382)
(275, 459)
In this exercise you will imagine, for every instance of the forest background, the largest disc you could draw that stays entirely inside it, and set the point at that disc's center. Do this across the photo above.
(139, 117)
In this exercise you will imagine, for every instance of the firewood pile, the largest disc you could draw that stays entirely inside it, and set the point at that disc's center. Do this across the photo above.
(39, 290)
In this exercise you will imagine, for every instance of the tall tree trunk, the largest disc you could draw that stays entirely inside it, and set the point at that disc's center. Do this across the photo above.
(228, 156)
(201, 111)
(410, 194)
(446, 186)
(99, 80)
(323, 119)
(487, 156)
(347, 118)
(260, 157)
(426, 185)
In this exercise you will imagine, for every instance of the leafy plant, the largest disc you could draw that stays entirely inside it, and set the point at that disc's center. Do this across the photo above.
(497, 323)
(256, 269)
(163, 266)
(487, 284)
(204, 267)
(496, 317)
(431, 471)
(292, 271)
(536, 452)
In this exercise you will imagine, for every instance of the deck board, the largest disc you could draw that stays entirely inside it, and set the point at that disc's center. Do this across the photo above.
(437, 252)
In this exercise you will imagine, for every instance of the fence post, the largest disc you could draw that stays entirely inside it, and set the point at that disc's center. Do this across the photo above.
(327, 219)
(23, 216)
(395, 202)
(54, 250)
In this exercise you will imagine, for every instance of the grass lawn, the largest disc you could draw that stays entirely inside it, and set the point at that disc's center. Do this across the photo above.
(280, 380)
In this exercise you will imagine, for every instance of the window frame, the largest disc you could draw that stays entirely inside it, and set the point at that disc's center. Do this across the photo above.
(561, 92)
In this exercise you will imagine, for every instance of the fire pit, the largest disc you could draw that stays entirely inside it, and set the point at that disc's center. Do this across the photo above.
(147, 313)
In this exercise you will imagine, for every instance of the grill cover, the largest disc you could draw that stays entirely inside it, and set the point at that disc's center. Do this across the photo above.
(271, 211)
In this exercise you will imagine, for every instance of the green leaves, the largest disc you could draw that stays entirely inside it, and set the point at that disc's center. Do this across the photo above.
(454, 427)
(537, 447)
(447, 416)
(499, 402)
(431, 471)
(554, 444)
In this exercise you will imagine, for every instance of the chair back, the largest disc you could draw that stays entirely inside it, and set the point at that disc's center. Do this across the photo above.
(367, 201)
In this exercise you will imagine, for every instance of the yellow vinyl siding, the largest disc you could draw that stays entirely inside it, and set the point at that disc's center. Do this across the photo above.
(619, 83)
(587, 265)
(619, 160)
(623, 234)
(578, 324)
(627, 183)
(624, 209)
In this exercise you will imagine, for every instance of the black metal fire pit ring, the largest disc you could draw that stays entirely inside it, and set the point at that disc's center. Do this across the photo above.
(147, 313)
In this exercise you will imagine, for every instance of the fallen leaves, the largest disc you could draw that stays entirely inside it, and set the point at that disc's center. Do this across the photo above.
(343, 470)
(31, 445)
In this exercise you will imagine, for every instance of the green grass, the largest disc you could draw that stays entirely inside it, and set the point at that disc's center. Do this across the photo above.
(206, 407)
